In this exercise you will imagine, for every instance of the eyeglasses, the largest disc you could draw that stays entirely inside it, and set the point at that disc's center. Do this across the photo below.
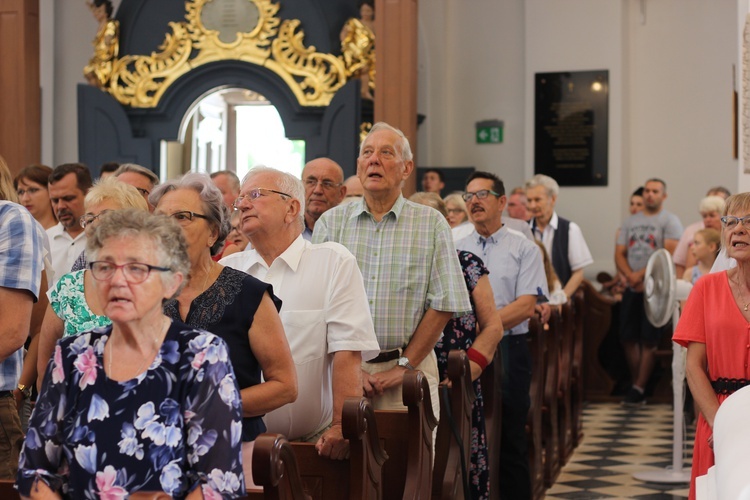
(185, 217)
(482, 194)
(312, 182)
(88, 219)
(455, 211)
(134, 272)
(256, 193)
(730, 221)
(30, 191)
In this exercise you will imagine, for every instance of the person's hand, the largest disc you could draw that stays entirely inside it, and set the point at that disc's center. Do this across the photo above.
(544, 310)
(332, 444)
(371, 386)
(391, 378)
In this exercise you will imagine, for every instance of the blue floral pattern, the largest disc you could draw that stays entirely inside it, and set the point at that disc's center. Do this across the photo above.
(460, 333)
(175, 427)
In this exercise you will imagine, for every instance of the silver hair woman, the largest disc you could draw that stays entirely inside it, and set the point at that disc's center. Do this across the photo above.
(147, 403)
(239, 308)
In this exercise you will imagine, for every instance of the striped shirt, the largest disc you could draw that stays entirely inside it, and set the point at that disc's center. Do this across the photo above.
(21, 265)
(407, 260)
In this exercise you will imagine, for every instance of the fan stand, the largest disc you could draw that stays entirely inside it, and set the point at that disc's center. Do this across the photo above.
(676, 474)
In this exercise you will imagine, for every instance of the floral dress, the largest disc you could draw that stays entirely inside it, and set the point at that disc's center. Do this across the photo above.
(173, 428)
(460, 333)
(69, 303)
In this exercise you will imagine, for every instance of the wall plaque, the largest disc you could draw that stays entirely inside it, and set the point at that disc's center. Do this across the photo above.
(571, 127)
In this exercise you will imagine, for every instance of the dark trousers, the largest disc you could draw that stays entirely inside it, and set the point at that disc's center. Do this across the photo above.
(515, 478)
(11, 437)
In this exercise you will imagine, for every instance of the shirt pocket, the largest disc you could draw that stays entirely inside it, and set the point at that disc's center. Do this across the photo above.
(306, 333)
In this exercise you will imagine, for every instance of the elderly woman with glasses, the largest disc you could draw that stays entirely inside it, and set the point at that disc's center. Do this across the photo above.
(235, 306)
(714, 328)
(73, 306)
(145, 404)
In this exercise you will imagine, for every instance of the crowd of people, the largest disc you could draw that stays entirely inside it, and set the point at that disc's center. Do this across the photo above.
(177, 321)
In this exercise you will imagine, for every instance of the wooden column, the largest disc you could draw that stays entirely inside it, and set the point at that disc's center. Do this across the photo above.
(396, 70)
(20, 99)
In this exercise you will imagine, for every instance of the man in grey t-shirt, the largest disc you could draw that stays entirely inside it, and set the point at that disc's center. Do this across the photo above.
(640, 236)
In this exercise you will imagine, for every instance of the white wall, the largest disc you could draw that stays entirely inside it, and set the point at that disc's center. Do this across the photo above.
(670, 94)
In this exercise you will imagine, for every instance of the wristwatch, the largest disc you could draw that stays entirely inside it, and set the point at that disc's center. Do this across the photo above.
(25, 390)
(404, 361)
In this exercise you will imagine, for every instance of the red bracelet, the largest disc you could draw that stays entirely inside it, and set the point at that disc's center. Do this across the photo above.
(477, 357)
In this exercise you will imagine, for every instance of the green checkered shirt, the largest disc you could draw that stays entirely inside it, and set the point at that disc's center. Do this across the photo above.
(407, 260)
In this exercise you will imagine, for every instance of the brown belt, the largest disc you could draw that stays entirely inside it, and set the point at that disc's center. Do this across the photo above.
(386, 356)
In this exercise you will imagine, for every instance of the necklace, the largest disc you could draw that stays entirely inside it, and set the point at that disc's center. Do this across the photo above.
(742, 299)
(208, 273)
(154, 348)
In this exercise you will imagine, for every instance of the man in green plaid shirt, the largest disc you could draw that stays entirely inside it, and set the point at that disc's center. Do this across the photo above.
(410, 266)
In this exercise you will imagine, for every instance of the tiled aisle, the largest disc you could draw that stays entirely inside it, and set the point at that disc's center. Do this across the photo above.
(618, 442)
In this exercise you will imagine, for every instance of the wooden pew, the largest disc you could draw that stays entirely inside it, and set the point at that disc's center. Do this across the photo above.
(576, 382)
(7, 491)
(564, 383)
(407, 440)
(596, 323)
(491, 380)
(550, 435)
(447, 476)
(275, 468)
(538, 349)
(360, 477)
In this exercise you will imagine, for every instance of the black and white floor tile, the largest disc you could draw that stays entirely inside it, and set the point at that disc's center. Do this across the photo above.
(617, 443)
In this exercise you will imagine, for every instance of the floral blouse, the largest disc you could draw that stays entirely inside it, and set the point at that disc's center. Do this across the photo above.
(69, 303)
(173, 428)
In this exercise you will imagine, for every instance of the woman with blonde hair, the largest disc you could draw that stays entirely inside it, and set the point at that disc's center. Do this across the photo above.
(7, 191)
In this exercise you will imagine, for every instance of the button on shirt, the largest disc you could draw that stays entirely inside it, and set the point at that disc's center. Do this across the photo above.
(21, 265)
(408, 262)
(579, 255)
(515, 266)
(65, 249)
(324, 310)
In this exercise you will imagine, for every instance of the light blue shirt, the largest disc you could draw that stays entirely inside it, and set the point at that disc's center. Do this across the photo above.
(515, 266)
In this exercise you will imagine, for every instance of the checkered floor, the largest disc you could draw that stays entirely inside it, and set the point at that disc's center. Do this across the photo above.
(617, 443)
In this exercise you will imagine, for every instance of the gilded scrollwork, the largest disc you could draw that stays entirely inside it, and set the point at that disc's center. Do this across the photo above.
(314, 77)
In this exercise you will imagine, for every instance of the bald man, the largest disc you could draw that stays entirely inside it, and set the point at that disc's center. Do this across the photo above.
(324, 189)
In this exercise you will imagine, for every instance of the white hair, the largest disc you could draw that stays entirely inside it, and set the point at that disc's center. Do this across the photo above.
(547, 182)
(286, 183)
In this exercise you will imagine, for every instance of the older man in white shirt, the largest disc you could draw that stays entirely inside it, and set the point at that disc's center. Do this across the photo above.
(324, 310)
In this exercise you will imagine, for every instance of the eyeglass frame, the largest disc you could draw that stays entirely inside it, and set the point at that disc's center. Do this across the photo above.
(467, 196)
(257, 195)
(125, 274)
(327, 184)
(31, 191)
(740, 220)
(83, 222)
(190, 217)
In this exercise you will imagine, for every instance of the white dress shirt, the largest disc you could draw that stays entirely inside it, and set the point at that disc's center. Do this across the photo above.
(64, 249)
(324, 309)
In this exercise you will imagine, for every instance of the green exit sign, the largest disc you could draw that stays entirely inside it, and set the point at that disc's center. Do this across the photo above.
(489, 132)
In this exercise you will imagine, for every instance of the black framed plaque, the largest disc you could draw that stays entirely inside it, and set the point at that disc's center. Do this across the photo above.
(571, 126)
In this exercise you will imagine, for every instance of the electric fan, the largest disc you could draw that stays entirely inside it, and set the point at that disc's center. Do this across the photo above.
(662, 296)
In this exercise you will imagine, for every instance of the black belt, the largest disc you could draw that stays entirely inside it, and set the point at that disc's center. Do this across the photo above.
(5, 394)
(386, 356)
(728, 385)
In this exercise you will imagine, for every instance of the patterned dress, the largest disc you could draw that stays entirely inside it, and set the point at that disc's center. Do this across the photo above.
(68, 300)
(175, 427)
(460, 333)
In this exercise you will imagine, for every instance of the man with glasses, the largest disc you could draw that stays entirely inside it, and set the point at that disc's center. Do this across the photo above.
(68, 185)
(640, 236)
(325, 313)
(324, 189)
(517, 277)
(141, 178)
(412, 275)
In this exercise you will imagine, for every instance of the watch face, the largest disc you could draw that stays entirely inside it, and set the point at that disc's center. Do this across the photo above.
(230, 17)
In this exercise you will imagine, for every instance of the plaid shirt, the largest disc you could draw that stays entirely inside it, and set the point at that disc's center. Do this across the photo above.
(21, 265)
(407, 260)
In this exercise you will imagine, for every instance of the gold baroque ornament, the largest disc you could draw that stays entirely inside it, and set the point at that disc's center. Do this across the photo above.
(140, 81)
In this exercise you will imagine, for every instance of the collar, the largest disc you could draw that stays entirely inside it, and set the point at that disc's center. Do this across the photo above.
(553, 221)
(493, 238)
(360, 207)
(58, 231)
(293, 253)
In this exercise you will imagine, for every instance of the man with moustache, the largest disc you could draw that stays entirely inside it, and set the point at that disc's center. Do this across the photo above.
(68, 185)
(412, 275)
(324, 189)
(517, 278)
